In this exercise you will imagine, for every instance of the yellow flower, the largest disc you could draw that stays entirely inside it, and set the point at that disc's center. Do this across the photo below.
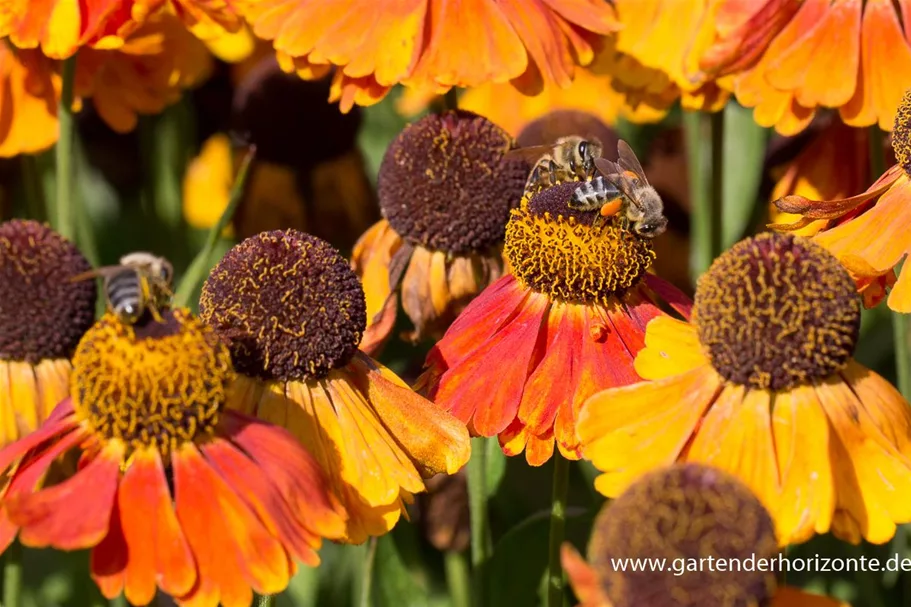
(759, 380)
(293, 313)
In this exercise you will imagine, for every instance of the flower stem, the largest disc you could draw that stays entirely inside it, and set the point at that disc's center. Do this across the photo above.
(457, 578)
(477, 509)
(364, 600)
(12, 575)
(557, 531)
(67, 199)
(31, 186)
(705, 156)
(265, 600)
(450, 100)
(200, 265)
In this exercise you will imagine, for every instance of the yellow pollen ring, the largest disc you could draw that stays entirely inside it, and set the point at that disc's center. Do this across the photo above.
(901, 133)
(159, 385)
(569, 260)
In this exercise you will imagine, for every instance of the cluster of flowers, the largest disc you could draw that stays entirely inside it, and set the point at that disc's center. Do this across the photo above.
(207, 456)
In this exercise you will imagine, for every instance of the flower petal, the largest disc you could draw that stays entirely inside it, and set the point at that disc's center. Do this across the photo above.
(466, 389)
(789, 596)
(671, 347)
(807, 491)
(628, 431)
(75, 513)
(736, 436)
(821, 67)
(873, 479)
(885, 70)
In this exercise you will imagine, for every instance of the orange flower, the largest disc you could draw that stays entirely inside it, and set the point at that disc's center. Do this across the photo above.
(713, 516)
(867, 232)
(431, 44)
(787, 58)
(293, 313)
(143, 76)
(60, 28)
(169, 488)
(764, 370)
(563, 324)
(445, 188)
(43, 314)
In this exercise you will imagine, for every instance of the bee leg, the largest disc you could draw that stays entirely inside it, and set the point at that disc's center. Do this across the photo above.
(156, 315)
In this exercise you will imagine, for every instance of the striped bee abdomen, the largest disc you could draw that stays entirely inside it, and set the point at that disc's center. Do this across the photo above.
(123, 291)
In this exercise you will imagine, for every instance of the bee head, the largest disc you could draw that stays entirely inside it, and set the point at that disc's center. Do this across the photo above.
(651, 228)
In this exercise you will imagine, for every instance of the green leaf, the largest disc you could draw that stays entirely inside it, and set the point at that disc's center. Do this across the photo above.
(744, 150)
(201, 264)
(519, 560)
(396, 581)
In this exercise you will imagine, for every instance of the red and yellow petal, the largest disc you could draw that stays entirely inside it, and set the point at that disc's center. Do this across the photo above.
(75, 513)
(582, 578)
(490, 404)
(234, 552)
(145, 547)
(628, 431)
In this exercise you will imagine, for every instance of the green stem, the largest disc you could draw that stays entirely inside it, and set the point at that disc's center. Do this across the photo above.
(450, 100)
(481, 545)
(457, 578)
(557, 532)
(12, 575)
(365, 599)
(265, 600)
(67, 198)
(31, 186)
(716, 238)
(199, 267)
(705, 167)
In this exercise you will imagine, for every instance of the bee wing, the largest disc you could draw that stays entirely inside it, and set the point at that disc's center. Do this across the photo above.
(627, 160)
(102, 272)
(530, 153)
(608, 168)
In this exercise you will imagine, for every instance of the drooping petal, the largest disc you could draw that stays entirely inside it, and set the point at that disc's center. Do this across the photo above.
(628, 431)
(467, 390)
(736, 436)
(435, 442)
(56, 427)
(75, 513)
(821, 68)
(873, 479)
(807, 487)
(145, 546)
(302, 486)
(879, 236)
(582, 578)
(232, 548)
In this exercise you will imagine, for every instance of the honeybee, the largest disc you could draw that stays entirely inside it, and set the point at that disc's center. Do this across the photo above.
(625, 189)
(140, 282)
(568, 159)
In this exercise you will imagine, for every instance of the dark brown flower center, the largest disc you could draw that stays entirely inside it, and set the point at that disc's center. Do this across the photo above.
(775, 311)
(43, 312)
(901, 134)
(288, 304)
(684, 515)
(444, 182)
